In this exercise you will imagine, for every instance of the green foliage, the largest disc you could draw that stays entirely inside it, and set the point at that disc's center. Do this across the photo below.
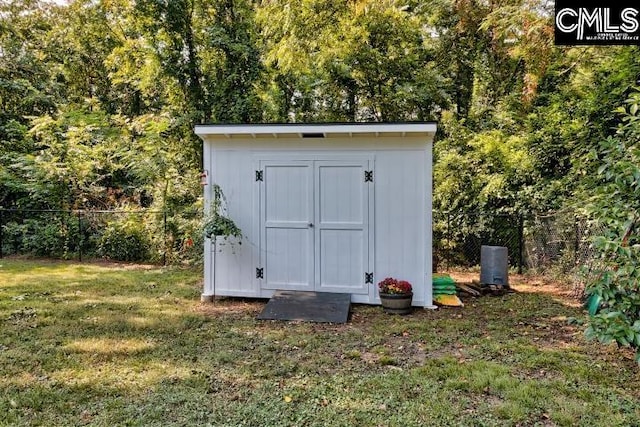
(616, 205)
(99, 98)
(125, 239)
(211, 63)
(359, 61)
(481, 171)
(482, 185)
(26, 86)
(44, 236)
(216, 222)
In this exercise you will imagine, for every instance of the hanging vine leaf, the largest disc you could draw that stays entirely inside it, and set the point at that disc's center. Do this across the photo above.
(217, 223)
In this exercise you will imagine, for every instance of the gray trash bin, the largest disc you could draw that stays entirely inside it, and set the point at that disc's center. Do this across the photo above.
(494, 265)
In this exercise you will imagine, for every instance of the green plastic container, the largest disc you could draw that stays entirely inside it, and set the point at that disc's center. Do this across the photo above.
(443, 284)
(593, 304)
(435, 292)
(442, 279)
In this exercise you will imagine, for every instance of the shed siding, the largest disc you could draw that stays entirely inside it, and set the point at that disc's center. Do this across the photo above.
(233, 172)
(400, 240)
(400, 207)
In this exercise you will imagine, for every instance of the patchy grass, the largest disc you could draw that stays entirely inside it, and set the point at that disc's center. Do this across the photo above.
(115, 345)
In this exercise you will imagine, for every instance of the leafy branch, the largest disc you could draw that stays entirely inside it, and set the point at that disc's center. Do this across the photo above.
(217, 222)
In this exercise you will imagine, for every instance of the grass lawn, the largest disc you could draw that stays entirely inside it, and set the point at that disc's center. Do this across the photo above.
(91, 344)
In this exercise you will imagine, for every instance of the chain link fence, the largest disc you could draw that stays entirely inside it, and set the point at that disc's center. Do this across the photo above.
(123, 235)
(557, 242)
(458, 238)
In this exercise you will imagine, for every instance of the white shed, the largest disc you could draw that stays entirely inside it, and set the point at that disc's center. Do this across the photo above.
(322, 207)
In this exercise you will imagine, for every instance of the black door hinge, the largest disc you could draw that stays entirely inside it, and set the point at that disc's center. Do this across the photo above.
(368, 176)
(259, 273)
(368, 277)
(259, 176)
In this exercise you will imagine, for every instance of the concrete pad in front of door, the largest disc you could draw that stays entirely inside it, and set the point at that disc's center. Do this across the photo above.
(322, 307)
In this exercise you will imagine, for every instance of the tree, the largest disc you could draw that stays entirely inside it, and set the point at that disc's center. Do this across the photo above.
(616, 205)
(351, 61)
(27, 86)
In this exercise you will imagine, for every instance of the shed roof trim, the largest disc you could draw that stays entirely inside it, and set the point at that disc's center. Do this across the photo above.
(274, 130)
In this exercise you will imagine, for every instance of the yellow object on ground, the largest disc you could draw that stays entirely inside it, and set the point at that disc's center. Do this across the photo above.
(448, 300)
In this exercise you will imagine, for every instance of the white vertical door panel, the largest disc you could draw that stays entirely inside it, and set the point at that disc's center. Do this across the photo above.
(315, 229)
(341, 227)
(287, 218)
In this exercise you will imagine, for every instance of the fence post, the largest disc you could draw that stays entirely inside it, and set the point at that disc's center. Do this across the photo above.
(80, 239)
(576, 242)
(164, 238)
(1, 227)
(520, 242)
(448, 240)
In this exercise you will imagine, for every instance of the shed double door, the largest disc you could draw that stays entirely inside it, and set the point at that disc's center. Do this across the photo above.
(315, 225)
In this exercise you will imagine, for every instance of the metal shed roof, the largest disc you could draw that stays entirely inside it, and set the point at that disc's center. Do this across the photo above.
(315, 129)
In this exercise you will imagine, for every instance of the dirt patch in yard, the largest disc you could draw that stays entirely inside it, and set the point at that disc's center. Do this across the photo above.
(527, 283)
(227, 306)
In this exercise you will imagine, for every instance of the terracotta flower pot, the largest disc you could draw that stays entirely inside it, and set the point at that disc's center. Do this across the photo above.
(396, 303)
